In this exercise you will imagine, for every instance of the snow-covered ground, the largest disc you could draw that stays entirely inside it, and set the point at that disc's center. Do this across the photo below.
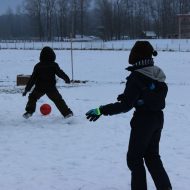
(47, 153)
(161, 44)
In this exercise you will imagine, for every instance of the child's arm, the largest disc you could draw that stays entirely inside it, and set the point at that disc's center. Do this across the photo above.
(61, 74)
(30, 83)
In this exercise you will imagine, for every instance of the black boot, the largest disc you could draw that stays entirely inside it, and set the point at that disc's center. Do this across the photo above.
(26, 115)
(68, 114)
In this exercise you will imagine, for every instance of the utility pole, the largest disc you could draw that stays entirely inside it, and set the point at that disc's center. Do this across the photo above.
(71, 38)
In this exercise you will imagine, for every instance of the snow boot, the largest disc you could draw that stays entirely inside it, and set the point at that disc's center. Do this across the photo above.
(26, 115)
(68, 115)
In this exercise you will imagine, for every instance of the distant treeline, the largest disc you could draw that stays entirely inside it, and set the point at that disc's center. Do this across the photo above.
(108, 19)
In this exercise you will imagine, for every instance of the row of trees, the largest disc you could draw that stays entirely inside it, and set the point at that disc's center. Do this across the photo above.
(109, 19)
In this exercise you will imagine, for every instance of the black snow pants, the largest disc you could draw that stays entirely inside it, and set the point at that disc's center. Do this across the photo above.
(53, 95)
(144, 141)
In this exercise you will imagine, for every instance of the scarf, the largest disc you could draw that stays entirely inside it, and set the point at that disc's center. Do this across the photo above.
(141, 64)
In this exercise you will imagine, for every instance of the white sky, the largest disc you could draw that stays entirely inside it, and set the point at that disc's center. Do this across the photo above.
(5, 4)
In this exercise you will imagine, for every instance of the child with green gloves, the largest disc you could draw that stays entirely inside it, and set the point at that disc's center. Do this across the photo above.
(145, 91)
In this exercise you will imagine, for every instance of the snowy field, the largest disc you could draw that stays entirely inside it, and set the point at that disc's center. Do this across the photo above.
(47, 153)
(161, 44)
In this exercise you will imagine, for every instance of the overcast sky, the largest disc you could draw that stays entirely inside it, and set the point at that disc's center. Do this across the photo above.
(4, 4)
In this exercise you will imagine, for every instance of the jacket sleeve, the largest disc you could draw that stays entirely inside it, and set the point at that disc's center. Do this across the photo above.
(32, 80)
(130, 96)
(59, 72)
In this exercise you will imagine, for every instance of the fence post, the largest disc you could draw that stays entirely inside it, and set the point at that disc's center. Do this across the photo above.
(72, 65)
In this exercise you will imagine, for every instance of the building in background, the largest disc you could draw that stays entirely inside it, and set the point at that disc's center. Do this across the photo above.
(183, 25)
(149, 35)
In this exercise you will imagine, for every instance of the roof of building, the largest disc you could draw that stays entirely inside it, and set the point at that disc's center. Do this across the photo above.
(149, 33)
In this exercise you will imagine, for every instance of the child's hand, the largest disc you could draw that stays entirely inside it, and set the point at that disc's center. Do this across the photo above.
(93, 114)
(24, 93)
(120, 97)
(67, 81)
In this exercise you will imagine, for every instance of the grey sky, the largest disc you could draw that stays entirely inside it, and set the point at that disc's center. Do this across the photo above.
(4, 4)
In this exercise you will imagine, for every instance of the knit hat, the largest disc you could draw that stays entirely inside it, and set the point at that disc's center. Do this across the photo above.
(142, 50)
(47, 55)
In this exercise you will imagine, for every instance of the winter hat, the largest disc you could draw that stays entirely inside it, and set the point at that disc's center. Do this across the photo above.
(142, 50)
(47, 55)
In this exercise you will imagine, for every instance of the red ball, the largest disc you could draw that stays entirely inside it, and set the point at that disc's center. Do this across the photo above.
(45, 109)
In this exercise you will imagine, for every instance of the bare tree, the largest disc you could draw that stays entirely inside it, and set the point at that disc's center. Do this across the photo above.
(34, 8)
(184, 6)
(62, 11)
(166, 17)
(113, 19)
(106, 18)
(117, 18)
(83, 8)
(155, 11)
(49, 13)
(82, 17)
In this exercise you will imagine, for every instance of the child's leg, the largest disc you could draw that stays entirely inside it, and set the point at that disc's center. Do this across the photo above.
(32, 99)
(56, 97)
(154, 163)
(135, 162)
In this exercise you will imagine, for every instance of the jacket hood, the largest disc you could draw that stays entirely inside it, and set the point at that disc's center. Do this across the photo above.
(154, 72)
(47, 55)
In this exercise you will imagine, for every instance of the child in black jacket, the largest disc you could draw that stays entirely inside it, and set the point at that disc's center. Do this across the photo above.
(44, 79)
(146, 92)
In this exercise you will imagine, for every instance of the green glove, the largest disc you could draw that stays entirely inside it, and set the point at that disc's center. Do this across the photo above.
(93, 114)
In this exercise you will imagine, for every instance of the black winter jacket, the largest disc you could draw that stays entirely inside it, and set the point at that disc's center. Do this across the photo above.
(44, 76)
(132, 94)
